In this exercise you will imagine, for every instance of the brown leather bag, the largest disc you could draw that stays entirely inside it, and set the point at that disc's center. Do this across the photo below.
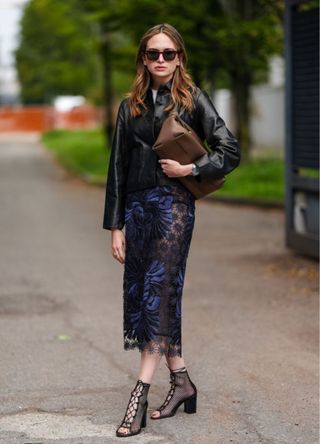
(178, 141)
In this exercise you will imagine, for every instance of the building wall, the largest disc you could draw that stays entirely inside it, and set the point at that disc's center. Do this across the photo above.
(267, 115)
(267, 118)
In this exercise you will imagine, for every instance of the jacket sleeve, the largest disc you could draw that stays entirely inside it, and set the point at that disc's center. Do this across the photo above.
(225, 151)
(116, 180)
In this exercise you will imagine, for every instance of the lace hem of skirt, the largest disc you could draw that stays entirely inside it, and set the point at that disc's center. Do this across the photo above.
(161, 346)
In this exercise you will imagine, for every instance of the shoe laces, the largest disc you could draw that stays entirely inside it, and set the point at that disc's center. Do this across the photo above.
(133, 404)
(170, 393)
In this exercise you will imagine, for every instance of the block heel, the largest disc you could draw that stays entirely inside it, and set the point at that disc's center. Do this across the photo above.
(190, 404)
(144, 418)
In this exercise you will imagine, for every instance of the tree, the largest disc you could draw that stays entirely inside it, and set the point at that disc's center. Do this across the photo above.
(229, 43)
(105, 15)
(55, 55)
(249, 32)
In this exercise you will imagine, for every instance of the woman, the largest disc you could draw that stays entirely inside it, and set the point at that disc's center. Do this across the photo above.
(145, 195)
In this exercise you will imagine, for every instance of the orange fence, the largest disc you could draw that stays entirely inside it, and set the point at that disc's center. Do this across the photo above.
(43, 118)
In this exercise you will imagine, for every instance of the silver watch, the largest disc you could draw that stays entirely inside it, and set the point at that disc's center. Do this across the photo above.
(195, 169)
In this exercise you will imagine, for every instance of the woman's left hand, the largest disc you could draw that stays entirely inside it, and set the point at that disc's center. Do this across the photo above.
(172, 168)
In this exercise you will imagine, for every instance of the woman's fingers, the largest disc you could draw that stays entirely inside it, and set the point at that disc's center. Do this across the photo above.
(121, 255)
(118, 246)
(170, 167)
(118, 253)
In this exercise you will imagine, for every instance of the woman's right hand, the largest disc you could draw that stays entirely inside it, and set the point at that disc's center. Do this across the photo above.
(118, 245)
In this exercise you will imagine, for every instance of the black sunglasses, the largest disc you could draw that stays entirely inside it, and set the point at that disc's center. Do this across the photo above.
(168, 54)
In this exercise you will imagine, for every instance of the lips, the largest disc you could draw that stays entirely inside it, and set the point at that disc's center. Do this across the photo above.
(160, 67)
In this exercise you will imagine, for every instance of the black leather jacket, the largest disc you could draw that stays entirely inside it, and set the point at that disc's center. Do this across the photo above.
(134, 165)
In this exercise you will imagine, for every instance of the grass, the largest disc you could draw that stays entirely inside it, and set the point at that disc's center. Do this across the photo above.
(83, 152)
(260, 179)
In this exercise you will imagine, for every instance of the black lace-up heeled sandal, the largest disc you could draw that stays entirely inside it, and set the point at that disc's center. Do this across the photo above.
(182, 390)
(136, 414)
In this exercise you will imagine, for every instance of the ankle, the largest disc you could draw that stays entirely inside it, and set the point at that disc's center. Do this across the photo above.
(174, 368)
(145, 384)
(181, 369)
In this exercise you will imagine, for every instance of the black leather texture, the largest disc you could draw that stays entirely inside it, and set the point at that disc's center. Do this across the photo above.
(134, 165)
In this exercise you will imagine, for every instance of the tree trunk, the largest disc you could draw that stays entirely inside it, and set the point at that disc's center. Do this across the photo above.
(241, 83)
(106, 57)
(196, 77)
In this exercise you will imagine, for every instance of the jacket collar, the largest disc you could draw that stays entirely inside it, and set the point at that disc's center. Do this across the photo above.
(165, 86)
(162, 91)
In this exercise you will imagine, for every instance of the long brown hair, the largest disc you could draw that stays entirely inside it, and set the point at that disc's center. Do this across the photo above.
(182, 85)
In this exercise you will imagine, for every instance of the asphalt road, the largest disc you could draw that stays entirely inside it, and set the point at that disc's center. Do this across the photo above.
(250, 318)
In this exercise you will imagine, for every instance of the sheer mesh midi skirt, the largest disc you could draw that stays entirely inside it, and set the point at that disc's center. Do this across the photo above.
(159, 224)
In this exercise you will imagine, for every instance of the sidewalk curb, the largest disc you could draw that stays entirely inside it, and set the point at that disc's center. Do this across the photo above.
(247, 201)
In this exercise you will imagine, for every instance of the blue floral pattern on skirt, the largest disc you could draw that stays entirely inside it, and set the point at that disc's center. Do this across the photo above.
(159, 224)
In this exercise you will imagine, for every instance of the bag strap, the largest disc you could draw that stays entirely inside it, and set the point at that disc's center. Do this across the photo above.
(175, 114)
